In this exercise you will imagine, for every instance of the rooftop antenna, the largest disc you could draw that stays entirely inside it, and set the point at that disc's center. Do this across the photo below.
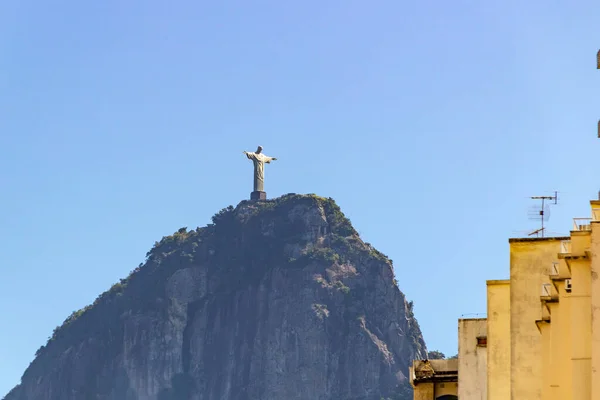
(541, 213)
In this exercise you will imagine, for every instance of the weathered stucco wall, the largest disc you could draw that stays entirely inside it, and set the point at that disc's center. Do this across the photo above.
(595, 300)
(472, 359)
(581, 329)
(498, 350)
(545, 331)
(445, 388)
(530, 263)
(556, 356)
(424, 391)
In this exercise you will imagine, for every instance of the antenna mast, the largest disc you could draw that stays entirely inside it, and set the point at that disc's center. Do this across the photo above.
(542, 214)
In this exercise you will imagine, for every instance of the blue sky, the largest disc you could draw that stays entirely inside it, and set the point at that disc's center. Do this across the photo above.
(429, 122)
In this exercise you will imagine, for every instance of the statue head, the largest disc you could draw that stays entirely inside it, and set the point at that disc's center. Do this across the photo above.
(259, 150)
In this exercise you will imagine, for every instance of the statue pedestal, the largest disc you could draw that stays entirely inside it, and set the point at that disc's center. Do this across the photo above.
(258, 196)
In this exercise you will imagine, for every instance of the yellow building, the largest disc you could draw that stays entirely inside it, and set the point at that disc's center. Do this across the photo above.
(472, 358)
(541, 337)
(498, 327)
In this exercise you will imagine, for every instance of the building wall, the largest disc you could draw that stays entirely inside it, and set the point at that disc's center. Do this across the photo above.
(545, 331)
(424, 391)
(581, 312)
(552, 342)
(595, 302)
(556, 347)
(530, 263)
(446, 388)
(498, 330)
(581, 329)
(561, 344)
(472, 360)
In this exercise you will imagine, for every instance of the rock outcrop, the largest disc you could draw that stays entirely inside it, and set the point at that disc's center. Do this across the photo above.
(275, 300)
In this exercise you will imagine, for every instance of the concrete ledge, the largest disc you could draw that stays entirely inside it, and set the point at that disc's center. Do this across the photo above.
(547, 239)
(497, 282)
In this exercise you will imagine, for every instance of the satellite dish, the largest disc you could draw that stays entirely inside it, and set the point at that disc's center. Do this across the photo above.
(539, 213)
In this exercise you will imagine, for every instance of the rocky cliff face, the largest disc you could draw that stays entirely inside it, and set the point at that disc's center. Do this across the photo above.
(275, 300)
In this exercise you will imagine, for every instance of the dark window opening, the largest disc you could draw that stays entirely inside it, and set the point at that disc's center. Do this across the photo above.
(482, 341)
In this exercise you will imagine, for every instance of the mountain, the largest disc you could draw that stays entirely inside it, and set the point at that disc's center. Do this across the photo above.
(276, 299)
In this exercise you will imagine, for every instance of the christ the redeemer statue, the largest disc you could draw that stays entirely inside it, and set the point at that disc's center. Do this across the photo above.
(259, 160)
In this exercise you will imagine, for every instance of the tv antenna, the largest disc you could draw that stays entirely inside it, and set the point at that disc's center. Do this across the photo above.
(541, 212)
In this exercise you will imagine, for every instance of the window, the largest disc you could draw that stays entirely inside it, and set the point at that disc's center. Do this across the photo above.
(482, 341)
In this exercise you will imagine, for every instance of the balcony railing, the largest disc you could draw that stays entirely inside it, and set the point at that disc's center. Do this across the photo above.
(554, 269)
(546, 290)
(582, 224)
